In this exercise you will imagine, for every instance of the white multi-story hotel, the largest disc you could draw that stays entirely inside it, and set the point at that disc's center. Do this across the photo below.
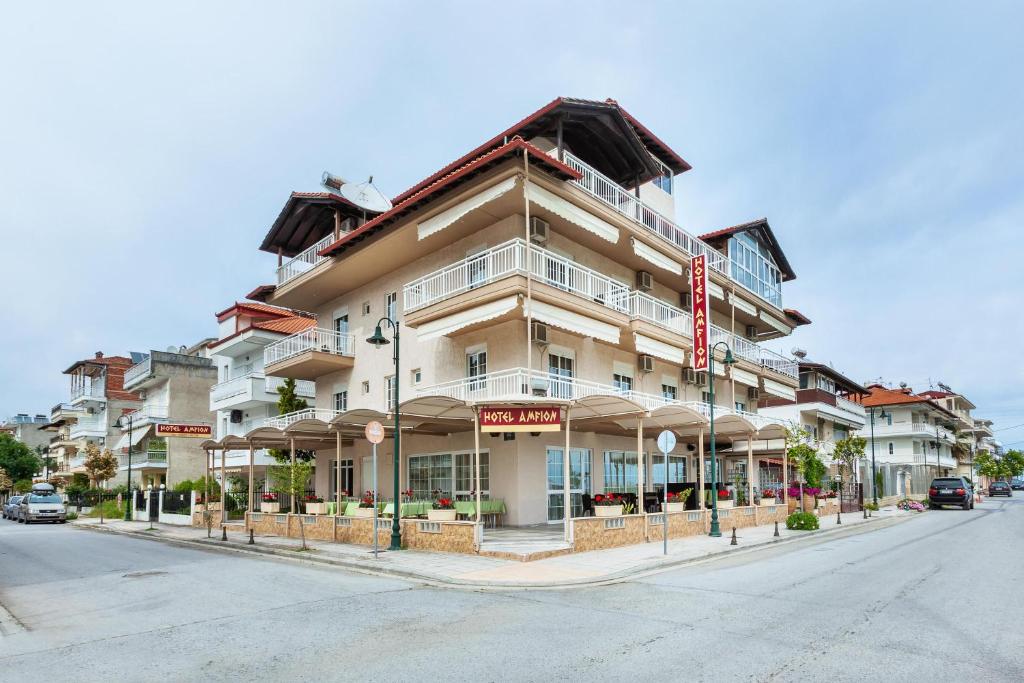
(243, 397)
(544, 267)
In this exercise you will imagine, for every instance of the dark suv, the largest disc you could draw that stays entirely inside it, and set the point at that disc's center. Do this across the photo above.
(951, 491)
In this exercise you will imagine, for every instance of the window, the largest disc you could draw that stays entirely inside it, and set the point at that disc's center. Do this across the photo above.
(389, 391)
(465, 476)
(366, 308)
(391, 306)
(676, 469)
(341, 401)
(888, 419)
(705, 396)
(476, 368)
(366, 387)
(668, 391)
(740, 406)
(451, 474)
(890, 448)
(561, 369)
(622, 383)
(620, 471)
(664, 181)
(341, 324)
(347, 481)
(754, 268)
(477, 269)
(417, 376)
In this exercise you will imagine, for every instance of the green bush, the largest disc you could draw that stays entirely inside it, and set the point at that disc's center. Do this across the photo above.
(72, 515)
(802, 521)
(183, 486)
(109, 508)
(871, 506)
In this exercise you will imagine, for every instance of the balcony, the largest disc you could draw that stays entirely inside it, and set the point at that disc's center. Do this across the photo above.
(913, 429)
(144, 416)
(309, 354)
(138, 372)
(95, 391)
(628, 204)
(146, 461)
(303, 262)
(282, 421)
(64, 410)
(251, 389)
(89, 426)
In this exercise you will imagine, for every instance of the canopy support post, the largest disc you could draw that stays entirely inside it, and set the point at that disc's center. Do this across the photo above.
(700, 468)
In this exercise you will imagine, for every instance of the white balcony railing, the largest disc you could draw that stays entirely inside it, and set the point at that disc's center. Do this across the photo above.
(233, 387)
(850, 406)
(282, 421)
(645, 307)
(628, 204)
(303, 387)
(95, 424)
(138, 371)
(907, 428)
(510, 259)
(518, 384)
(304, 261)
(314, 339)
(94, 390)
(145, 414)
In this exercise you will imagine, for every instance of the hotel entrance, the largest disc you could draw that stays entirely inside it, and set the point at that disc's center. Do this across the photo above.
(579, 481)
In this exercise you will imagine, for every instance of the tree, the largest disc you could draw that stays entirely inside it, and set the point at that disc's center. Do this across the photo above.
(288, 401)
(101, 466)
(804, 456)
(848, 452)
(291, 479)
(49, 463)
(5, 480)
(17, 459)
(1013, 462)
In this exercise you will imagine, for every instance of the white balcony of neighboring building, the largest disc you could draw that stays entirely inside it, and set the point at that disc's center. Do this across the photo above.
(282, 421)
(913, 429)
(94, 391)
(309, 354)
(136, 374)
(143, 417)
(64, 411)
(89, 426)
(253, 388)
(145, 460)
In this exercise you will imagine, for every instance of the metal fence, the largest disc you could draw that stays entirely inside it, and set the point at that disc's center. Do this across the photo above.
(177, 502)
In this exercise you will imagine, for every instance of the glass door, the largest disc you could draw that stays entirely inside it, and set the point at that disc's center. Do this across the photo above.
(560, 367)
(579, 481)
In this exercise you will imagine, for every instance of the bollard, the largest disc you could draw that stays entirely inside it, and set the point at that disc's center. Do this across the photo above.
(251, 542)
(733, 541)
(839, 519)
(223, 532)
(865, 512)
(776, 528)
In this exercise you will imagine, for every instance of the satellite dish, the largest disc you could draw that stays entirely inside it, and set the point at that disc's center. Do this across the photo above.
(365, 196)
(172, 349)
(798, 352)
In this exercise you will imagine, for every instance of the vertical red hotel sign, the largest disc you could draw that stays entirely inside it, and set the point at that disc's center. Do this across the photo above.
(699, 287)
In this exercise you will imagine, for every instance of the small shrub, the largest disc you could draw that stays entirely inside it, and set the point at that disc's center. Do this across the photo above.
(71, 516)
(802, 521)
(871, 506)
(110, 510)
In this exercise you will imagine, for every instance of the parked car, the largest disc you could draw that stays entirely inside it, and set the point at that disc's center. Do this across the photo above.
(42, 505)
(11, 507)
(951, 491)
(1000, 488)
(1017, 484)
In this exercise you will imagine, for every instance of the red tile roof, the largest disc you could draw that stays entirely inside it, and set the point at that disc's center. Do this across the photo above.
(796, 316)
(882, 396)
(413, 201)
(261, 292)
(286, 325)
(260, 309)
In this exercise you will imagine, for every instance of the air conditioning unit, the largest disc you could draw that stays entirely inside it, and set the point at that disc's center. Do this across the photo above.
(753, 393)
(539, 229)
(686, 300)
(539, 332)
(689, 375)
(236, 417)
(702, 379)
(644, 281)
(646, 363)
(752, 332)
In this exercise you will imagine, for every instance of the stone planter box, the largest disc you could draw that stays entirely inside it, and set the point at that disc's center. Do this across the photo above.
(807, 504)
(364, 512)
(270, 508)
(607, 510)
(673, 507)
(316, 508)
(441, 515)
(770, 501)
(725, 504)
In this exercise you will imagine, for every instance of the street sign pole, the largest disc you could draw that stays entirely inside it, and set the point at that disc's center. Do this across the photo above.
(375, 434)
(666, 442)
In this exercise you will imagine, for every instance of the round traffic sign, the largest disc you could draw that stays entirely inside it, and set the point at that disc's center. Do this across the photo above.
(374, 432)
(666, 441)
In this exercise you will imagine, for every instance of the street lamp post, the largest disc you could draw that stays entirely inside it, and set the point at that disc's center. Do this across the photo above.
(378, 339)
(728, 360)
(874, 477)
(131, 499)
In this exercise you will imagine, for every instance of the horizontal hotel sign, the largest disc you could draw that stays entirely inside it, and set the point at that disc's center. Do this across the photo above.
(170, 429)
(532, 419)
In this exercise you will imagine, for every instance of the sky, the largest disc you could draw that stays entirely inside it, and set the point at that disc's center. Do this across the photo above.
(146, 149)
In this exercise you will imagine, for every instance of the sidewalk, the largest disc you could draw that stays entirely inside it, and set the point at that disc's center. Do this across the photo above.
(574, 569)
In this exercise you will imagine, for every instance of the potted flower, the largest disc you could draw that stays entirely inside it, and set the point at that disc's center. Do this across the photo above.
(607, 505)
(724, 499)
(768, 497)
(365, 508)
(407, 495)
(442, 510)
(315, 505)
(677, 501)
(809, 500)
(269, 503)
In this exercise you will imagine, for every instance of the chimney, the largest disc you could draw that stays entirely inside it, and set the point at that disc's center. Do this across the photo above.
(99, 354)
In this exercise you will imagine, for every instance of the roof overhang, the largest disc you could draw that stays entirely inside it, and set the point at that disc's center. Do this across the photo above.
(305, 218)
(760, 226)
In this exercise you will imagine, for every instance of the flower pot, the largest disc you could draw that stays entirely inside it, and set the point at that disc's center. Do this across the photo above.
(316, 508)
(807, 504)
(673, 507)
(769, 501)
(441, 515)
(725, 504)
(270, 507)
(364, 512)
(607, 510)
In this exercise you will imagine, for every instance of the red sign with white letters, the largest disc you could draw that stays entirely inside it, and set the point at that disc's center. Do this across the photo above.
(699, 287)
(517, 419)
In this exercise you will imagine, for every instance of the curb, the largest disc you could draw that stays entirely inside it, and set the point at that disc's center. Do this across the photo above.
(647, 569)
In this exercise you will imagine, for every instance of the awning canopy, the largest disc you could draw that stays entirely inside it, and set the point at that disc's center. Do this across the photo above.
(137, 435)
(659, 349)
(779, 389)
(574, 322)
(572, 213)
(445, 218)
(655, 257)
(457, 321)
(744, 377)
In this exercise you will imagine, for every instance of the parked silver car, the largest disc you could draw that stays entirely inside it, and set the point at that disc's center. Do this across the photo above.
(42, 506)
(11, 507)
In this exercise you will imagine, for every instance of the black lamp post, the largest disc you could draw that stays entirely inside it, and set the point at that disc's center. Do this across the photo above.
(378, 339)
(728, 360)
(874, 478)
(131, 498)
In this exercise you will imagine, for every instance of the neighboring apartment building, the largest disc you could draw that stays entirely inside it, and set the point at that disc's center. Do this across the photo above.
(97, 401)
(175, 388)
(913, 437)
(543, 266)
(28, 429)
(244, 397)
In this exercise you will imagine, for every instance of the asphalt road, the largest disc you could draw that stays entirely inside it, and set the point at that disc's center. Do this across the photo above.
(934, 598)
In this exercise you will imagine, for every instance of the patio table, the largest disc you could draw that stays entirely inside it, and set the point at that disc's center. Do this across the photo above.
(488, 508)
(414, 508)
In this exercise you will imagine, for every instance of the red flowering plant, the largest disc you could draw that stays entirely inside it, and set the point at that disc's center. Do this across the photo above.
(407, 495)
(831, 494)
(269, 497)
(723, 494)
(312, 498)
(443, 503)
(608, 499)
(768, 493)
(367, 500)
(679, 497)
